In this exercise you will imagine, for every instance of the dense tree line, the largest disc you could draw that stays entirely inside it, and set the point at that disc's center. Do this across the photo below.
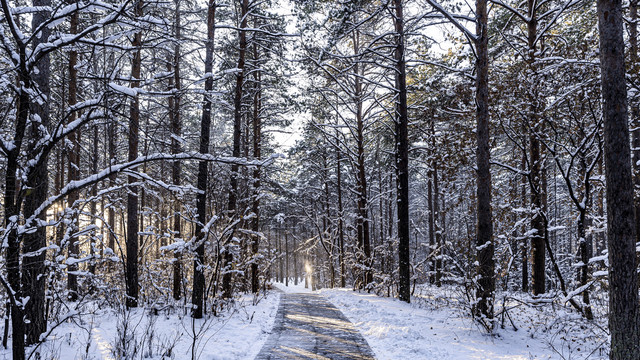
(484, 148)
(507, 143)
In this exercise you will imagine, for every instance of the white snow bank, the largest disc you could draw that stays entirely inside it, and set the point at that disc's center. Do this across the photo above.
(397, 330)
(292, 288)
(236, 334)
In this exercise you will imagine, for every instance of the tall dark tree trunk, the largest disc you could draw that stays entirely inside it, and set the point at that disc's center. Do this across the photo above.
(33, 269)
(525, 241)
(176, 130)
(237, 138)
(74, 164)
(111, 219)
(12, 204)
(93, 208)
(257, 143)
(343, 275)
(295, 259)
(111, 158)
(402, 158)
(484, 241)
(435, 210)
(623, 285)
(634, 69)
(286, 256)
(197, 298)
(537, 189)
(364, 238)
(132, 195)
(437, 224)
(382, 198)
(432, 232)
(363, 255)
(279, 252)
(390, 221)
(325, 222)
(12, 210)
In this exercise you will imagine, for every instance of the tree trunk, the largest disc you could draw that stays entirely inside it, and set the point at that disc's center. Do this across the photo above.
(94, 206)
(326, 222)
(524, 246)
(237, 135)
(584, 241)
(438, 229)
(382, 197)
(432, 233)
(257, 143)
(132, 195)
(484, 241)
(343, 275)
(584, 258)
(176, 129)
(11, 216)
(362, 220)
(402, 158)
(280, 260)
(536, 173)
(74, 164)
(635, 112)
(12, 210)
(623, 286)
(286, 256)
(197, 297)
(33, 269)
(111, 220)
(295, 260)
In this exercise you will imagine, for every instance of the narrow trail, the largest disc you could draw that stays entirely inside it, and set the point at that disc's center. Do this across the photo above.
(307, 326)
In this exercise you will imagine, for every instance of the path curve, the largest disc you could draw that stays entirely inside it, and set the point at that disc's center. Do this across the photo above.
(307, 326)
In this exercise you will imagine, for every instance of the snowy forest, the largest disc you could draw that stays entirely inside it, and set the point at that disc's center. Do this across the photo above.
(318, 179)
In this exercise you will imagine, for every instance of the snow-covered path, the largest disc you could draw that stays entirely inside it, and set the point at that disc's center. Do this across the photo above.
(309, 326)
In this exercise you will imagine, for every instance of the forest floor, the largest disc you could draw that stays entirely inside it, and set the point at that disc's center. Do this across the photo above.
(97, 333)
(436, 325)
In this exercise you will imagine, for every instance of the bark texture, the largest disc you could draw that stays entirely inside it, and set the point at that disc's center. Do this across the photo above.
(402, 159)
(538, 220)
(132, 195)
(74, 163)
(484, 241)
(176, 129)
(33, 268)
(257, 155)
(623, 286)
(197, 297)
(237, 139)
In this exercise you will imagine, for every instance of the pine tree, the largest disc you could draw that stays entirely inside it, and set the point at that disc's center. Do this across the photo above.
(623, 286)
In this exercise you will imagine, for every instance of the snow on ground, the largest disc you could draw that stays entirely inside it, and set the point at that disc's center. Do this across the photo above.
(436, 326)
(238, 333)
(291, 288)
